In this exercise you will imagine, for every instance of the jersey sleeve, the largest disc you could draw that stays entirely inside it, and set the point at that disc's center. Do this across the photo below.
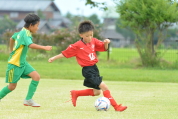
(70, 51)
(14, 36)
(27, 40)
(99, 45)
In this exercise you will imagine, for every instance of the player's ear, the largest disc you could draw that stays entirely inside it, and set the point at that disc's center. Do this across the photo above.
(81, 35)
(30, 26)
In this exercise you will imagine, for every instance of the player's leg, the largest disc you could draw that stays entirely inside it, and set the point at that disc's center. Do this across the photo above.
(107, 94)
(12, 77)
(92, 80)
(86, 92)
(7, 89)
(76, 93)
(96, 92)
(32, 89)
(12, 86)
(30, 72)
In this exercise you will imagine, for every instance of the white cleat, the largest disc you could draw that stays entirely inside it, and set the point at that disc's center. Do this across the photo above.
(31, 103)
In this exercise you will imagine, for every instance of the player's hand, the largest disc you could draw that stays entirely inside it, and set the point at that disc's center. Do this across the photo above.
(48, 48)
(51, 59)
(107, 41)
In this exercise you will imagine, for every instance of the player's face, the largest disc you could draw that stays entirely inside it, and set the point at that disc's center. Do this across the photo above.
(87, 36)
(34, 28)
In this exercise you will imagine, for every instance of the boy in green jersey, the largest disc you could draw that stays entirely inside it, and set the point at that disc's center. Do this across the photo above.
(18, 67)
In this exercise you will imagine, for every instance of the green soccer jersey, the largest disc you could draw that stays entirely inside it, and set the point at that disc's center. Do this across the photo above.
(22, 40)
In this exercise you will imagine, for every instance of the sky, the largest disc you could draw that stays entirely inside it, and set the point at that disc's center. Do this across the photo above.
(77, 7)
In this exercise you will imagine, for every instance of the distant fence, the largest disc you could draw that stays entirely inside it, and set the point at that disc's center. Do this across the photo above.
(168, 51)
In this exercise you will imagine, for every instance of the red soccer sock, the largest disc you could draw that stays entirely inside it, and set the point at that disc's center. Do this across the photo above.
(108, 95)
(86, 92)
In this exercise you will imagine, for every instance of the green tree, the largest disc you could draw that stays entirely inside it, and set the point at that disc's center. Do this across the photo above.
(126, 31)
(94, 18)
(40, 14)
(76, 19)
(145, 17)
(100, 5)
(6, 23)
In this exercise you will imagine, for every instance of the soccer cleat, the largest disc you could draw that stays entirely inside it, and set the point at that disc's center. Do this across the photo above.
(74, 97)
(120, 108)
(31, 103)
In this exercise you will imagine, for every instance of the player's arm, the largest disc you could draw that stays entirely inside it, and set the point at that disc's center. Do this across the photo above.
(56, 57)
(106, 42)
(35, 46)
(11, 44)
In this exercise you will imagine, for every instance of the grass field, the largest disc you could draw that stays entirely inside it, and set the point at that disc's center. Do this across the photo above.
(69, 69)
(149, 93)
(144, 101)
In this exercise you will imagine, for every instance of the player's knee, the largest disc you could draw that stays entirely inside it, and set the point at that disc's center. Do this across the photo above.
(12, 87)
(98, 92)
(36, 77)
(103, 86)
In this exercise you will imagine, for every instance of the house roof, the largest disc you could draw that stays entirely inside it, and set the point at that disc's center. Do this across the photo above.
(111, 34)
(109, 29)
(25, 5)
(56, 23)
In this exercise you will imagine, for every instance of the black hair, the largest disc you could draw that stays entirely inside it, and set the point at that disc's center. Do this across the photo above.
(85, 26)
(31, 19)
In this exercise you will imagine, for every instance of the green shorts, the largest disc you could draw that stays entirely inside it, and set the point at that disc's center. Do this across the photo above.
(14, 73)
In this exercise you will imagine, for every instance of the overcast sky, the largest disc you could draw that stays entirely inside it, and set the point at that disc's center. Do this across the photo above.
(77, 7)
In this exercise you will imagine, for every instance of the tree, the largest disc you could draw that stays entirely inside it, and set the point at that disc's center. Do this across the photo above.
(101, 5)
(6, 25)
(96, 21)
(76, 19)
(40, 14)
(94, 18)
(126, 32)
(145, 18)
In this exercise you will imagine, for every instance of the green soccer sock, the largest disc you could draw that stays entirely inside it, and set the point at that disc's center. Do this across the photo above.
(4, 92)
(32, 89)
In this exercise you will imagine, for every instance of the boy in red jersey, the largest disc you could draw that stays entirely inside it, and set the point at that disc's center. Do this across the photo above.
(85, 52)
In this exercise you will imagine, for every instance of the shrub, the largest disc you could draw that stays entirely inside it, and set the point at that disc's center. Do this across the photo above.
(60, 38)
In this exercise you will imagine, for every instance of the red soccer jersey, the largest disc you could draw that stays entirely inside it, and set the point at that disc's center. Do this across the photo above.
(85, 53)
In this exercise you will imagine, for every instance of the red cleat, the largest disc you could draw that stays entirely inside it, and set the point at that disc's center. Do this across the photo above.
(120, 108)
(74, 97)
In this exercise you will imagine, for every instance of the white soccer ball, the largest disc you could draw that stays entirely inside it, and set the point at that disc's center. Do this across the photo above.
(102, 104)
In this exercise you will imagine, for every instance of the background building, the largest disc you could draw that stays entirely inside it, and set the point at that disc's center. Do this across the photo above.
(49, 13)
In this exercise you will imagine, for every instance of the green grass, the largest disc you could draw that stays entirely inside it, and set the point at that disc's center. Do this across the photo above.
(69, 69)
(122, 66)
(120, 54)
(144, 101)
(127, 54)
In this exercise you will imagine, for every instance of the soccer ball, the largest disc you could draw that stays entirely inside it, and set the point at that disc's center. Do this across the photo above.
(102, 104)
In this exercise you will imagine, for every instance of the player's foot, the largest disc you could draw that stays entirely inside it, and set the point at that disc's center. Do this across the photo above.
(74, 97)
(31, 103)
(120, 108)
